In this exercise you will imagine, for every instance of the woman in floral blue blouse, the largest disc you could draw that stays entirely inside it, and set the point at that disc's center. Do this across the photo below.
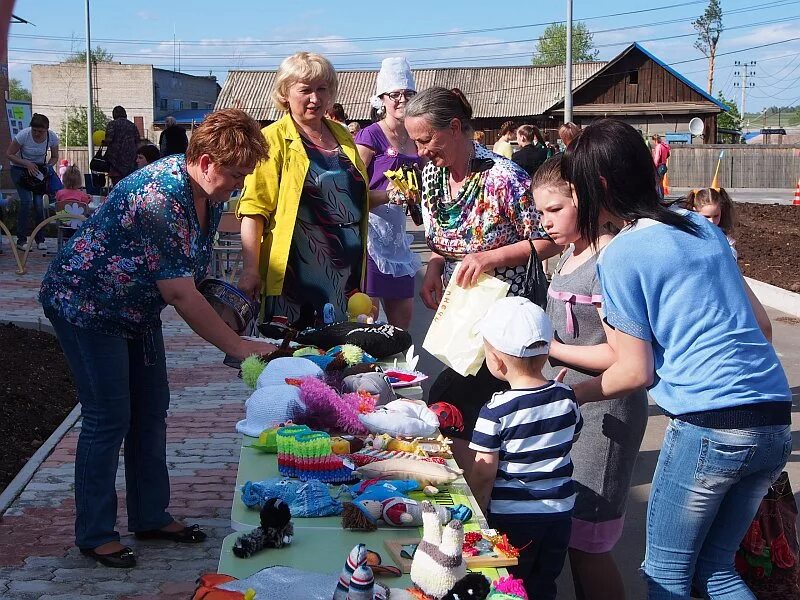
(146, 247)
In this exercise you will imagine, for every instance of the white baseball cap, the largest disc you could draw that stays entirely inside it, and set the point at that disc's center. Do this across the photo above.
(513, 324)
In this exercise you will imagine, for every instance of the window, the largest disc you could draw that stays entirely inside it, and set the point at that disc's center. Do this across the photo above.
(194, 106)
(163, 104)
(633, 77)
(177, 104)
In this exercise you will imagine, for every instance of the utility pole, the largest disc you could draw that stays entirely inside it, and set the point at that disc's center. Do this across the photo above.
(568, 68)
(746, 70)
(89, 92)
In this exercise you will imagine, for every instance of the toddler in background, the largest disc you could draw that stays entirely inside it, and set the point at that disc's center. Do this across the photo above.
(717, 207)
(73, 188)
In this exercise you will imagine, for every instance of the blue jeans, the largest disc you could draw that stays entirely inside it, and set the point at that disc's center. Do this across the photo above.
(122, 398)
(706, 490)
(26, 198)
(543, 549)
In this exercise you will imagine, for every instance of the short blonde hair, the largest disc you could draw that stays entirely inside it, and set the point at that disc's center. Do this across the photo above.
(302, 66)
(72, 178)
(230, 137)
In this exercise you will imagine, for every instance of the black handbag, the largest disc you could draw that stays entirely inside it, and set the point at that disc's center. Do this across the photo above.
(99, 164)
(535, 286)
(36, 185)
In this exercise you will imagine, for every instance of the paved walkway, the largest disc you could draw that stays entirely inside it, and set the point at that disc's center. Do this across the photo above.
(37, 556)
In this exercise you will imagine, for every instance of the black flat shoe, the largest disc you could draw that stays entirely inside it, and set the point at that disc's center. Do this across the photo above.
(192, 534)
(121, 559)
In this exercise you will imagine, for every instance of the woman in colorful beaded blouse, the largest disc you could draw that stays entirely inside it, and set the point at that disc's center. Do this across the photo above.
(477, 210)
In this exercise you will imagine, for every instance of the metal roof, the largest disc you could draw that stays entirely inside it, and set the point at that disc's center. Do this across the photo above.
(492, 91)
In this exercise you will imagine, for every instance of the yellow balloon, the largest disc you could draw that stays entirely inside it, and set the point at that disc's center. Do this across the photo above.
(98, 137)
(359, 304)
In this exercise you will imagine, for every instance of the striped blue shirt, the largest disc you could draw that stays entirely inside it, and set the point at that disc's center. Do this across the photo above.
(533, 430)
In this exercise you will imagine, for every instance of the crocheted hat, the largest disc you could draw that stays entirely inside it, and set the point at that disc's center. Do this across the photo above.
(268, 406)
(438, 562)
(278, 370)
(395, 74)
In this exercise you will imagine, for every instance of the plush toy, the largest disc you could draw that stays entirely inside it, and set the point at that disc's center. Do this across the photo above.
(321, 407)
(381, 490)
(403, 468)
(374, 383)
(276, 530)
(381, 341)
(438, 563)
(402, 418)
(473, 586)
(451, 421)
(356, 581)
(397, 512)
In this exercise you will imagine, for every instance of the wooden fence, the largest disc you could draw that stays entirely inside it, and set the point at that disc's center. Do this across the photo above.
(751, 166)
(77, 156)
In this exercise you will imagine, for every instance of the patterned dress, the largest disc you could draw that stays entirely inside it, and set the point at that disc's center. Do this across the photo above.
(493, 209)
(104, 279)
(326, 256)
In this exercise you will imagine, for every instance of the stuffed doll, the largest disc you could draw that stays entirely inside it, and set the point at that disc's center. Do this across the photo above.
(276, 530)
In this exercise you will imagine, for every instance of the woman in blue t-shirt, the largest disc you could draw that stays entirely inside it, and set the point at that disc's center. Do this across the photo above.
(687, 328)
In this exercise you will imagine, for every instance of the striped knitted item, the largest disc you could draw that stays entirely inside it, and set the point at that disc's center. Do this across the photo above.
(366, 456)
(356, 558)
(362, 584)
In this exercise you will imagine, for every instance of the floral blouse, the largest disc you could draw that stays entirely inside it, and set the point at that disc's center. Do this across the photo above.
(494, 209)
(104, 279)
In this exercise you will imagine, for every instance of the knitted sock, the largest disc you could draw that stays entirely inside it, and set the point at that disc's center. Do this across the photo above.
(356, 558)
(362, 584)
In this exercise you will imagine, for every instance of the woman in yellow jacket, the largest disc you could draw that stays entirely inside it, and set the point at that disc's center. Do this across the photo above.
(304, 210)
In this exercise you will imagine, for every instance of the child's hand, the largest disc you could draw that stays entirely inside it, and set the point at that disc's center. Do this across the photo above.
(561, 376)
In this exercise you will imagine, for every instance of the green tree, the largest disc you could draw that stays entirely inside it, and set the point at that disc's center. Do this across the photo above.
(551, 49)
(99, 55)
(709, 28)
(731, 119)
(16, 91)
(74, 130)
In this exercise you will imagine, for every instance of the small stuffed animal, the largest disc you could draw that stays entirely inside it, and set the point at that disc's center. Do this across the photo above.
(276, 530)
(473, 586)
(438, 562)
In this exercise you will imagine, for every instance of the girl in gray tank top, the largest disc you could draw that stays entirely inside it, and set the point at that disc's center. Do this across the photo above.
(605, 453)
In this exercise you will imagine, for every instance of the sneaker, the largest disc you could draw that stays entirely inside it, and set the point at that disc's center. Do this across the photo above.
(22, 246)
(41, 246)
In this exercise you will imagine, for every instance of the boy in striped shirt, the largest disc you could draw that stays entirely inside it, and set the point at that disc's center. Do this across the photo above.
(523, 472)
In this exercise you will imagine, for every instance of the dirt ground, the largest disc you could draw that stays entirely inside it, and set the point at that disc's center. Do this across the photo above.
(36, 395)
(768, 240)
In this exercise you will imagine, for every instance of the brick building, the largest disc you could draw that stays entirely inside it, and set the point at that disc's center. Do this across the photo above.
(148, 94)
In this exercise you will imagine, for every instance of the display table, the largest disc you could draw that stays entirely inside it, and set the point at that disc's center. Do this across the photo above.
(320, 544)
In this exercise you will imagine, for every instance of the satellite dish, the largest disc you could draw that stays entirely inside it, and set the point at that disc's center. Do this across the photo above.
(696, 126)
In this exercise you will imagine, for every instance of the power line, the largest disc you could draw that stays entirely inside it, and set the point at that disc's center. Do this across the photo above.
(395, 37)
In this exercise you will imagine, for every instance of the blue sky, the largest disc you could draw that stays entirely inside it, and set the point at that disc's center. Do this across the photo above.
(246, 34)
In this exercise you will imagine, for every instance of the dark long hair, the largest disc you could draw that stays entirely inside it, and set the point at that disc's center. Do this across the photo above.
(614, 151)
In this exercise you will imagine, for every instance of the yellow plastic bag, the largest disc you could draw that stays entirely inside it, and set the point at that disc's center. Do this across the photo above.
(451, 337)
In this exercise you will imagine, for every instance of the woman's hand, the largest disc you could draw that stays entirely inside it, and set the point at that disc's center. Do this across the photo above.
(472, 266)
(249, 347)
(431, 289)
(250, 284)
(32, 168)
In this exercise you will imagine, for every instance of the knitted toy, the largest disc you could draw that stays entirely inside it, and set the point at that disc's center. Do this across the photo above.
(402, 418)
(356, 581)
(508, 588)
(473, 586)
(381, 341)
(339, 358)
(321, 407)
(374, 383)
(307, 454)
(276, 530)
(406, 468)
(381, 490)
(364, 513)
(251, 368)
(310, 499)
(438, 563)
(367, 456)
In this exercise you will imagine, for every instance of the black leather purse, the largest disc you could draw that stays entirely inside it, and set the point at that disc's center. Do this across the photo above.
(536, 284)
(99, 164)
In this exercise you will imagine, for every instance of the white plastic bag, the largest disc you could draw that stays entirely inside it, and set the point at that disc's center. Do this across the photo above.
(451, 337)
